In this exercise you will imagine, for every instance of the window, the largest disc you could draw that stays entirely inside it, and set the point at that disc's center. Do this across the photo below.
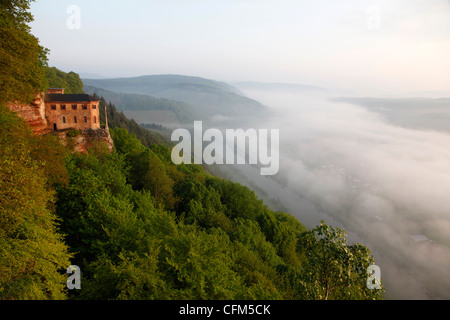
(84, 107)
(85, 119)
(74, 107)
(53, 106)
(94, 106)
(64, 119)
(95, 119)
(63, 107)
(75, 120)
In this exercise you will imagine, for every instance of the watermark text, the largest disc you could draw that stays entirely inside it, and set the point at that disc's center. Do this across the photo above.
(237, 147)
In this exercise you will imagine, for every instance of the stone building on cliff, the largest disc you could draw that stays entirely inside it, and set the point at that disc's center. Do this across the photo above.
(71, 111)
(55, 112)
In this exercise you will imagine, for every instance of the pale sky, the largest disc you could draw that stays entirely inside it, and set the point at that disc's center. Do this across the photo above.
(362, 45)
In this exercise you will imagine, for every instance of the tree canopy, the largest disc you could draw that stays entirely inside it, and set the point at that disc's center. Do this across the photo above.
(143, 228)
(33, 251)
(22, 58)
(71, 81)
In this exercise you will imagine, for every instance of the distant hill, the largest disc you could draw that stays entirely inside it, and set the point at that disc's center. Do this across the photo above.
(208, 97)
(148, 109)
(153, 135)
(278, 86)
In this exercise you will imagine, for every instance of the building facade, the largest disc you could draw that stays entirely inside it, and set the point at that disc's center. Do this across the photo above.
(71, 111)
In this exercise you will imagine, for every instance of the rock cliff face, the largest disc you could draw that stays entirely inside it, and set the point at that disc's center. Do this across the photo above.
(34, 114)
(81, 140)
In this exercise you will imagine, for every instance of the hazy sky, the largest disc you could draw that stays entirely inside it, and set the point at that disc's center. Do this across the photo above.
(362, 45)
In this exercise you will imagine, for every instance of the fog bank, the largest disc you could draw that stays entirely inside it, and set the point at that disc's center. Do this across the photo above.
(388, 186)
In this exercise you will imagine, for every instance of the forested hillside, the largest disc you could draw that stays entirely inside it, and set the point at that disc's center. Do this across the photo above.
(208, 98)
(117, 119)
(140, 227)
(146, 108)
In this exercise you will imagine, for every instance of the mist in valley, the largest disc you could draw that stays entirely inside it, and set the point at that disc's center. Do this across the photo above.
(387, 185)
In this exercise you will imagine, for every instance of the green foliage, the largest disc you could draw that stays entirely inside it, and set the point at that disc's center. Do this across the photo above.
(71, 81)
(32, 250)
(48, 151)
(22, 59)
(200, 204)
(126, 143)
(73, 133)
(219, 241)
(333, 269)
(147, 170)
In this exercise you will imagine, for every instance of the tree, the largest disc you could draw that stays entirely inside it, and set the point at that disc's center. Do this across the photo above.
(95, 201)
(150, 173)
(240, 201)
(48, 151)
(127, 144)
(199, 265)
(22, 59)
(71, 81)
(333, 269)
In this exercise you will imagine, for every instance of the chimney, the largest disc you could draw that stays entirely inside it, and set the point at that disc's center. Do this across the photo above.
(106, 119)
(55, 90)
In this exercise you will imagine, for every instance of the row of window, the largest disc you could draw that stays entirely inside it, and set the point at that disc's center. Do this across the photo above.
(74, 106)
(75, 120)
